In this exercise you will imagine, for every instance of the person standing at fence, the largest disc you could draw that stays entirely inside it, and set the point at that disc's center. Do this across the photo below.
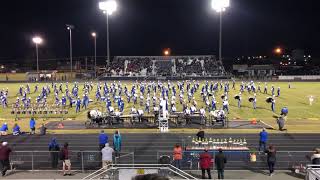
(263, 140)
(106, 155)
(66, 163)
(177, 156)
(117, 142)
(103, 139)
(54, 149)
(220, 161)
(271, 158)
(32, 124)
(4, 157)
(205, 163)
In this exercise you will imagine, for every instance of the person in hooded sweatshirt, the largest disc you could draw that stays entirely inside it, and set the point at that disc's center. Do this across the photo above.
(117, 142)
(54, 149)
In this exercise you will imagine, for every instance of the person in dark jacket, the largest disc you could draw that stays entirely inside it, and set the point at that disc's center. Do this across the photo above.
(220, 161)
(4, 157)
(54, 149)
(32, 126)
(43, 130)
(263, 140)
(205, 163)
(200, 134)
(271, 158)
(103, 139)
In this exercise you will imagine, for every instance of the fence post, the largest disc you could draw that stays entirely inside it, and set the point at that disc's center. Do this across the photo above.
(133, 159)
(157, 157)
(32, 161)
(82, 162)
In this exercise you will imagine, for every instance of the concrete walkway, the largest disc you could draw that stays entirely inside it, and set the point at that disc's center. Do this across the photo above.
(260, 175)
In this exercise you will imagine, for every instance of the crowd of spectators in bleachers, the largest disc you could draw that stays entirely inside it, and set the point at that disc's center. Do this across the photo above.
(189, 66)
(202, 65)
(136, 65)
(184, 65)
(164, 68)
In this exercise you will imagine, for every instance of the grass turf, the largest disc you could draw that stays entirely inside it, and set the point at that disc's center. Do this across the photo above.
(302, 117)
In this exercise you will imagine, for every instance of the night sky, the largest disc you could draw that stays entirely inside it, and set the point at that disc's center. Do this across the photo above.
(145, 27)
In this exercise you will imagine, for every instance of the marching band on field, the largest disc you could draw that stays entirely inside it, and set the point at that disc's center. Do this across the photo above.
(144, 94)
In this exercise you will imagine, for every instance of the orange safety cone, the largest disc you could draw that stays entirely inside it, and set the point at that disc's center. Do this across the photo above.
(60, 125)
(254, 121)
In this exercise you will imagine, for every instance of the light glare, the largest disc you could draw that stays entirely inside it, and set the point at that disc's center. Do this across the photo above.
(108, 6)
(93, 34)
(220, 5)
(37, 40)
(278, 51)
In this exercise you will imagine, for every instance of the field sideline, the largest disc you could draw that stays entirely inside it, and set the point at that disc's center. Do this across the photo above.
(302, 117)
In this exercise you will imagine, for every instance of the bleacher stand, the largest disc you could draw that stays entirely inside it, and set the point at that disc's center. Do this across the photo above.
(166, 66)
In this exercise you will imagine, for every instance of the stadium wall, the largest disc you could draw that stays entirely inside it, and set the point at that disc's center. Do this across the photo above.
(140, 78)
(298, 78)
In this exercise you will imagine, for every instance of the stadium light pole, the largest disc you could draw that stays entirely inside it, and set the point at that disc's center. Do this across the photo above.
(69, 28)
(220, 6)
(37, 40)
(94, 35)
(108, 7)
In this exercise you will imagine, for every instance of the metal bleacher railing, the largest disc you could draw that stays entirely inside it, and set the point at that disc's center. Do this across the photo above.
(91, 160)
(286, 160)
(312, 172)
(113, 171)
(80, 160)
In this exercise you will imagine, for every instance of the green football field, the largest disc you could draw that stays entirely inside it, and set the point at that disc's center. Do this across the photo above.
(301, 116)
